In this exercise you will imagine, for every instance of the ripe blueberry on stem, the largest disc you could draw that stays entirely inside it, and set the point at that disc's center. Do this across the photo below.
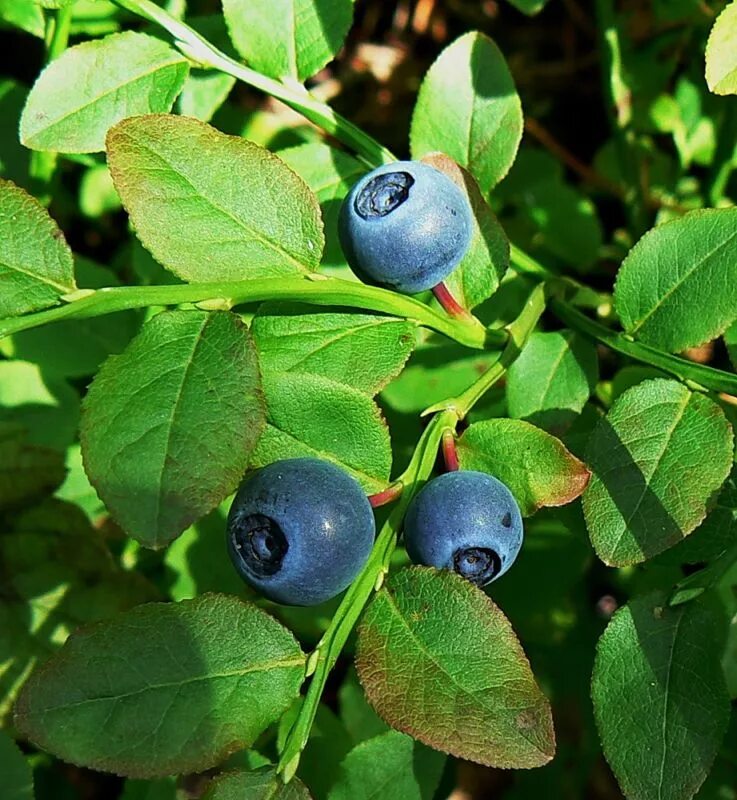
(467, 522)
(405, 225)
(300, 530)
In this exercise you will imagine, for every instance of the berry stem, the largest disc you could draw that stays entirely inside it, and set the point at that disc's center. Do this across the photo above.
(358, 594)
(389, 495)
(450, 452)
(444, 296)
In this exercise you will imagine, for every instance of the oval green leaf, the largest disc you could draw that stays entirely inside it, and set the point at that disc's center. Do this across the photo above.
(551, 381)
(164, 688)
(468, 108)
(93, 85)
(536, 466)
(36, 264)
(261, 784)
(16, 771)
(210, 206)
(168, 426)
(430, 634)
(660, 699)
(677, 288)
(330, 173)
(288, 38)
(309, 415)
(651, 483)
(357, 350)
(721, 52)
(391, 766)
(486, 261)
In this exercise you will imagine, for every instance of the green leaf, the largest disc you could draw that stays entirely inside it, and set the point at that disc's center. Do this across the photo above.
(438, 369)
(329, 173)
(56, 348)
(391, 766)
(551, 381)
(288, 38)
(46, 406)
(36, 264)
(715, 534)
(177, 687)
(262, 784)
(536, 467)
(205, 90)
(478, 275)
(93, 85)
(659, 696)
(23, 14)
(57, 573)
(433, 634)
(652, 484)
(721, 53)
(360, 720)
(26, 471)
(210, 206)
(566, 220)
(309, 415)
(357, 350)
(529, 7)
(468, 108)
(16, 772)
(196, 561)
(677, 288)
(169, 425)
(77, 488)
(730, 339)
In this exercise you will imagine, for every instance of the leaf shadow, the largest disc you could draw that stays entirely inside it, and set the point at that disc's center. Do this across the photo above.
(651, 526)
(488, 83)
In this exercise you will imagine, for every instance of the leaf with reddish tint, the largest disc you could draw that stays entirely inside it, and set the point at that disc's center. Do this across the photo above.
(439, 661)
(536, 466)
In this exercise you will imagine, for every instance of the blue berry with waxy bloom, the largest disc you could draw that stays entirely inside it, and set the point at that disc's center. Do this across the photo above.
(405, 225)
(465, 521)
(300, 530)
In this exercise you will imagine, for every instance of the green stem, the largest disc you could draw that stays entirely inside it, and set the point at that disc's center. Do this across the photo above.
(297, 97)
(519, 333)
(325, 655)
(43, 163)
(316, 290)
(698, 375)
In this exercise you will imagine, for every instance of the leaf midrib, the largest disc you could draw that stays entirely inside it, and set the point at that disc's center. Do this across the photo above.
(476, 698)
(666, 694)
(241, 223)
(676, 286)
(264, 666)
(668, 437)
(173, 61)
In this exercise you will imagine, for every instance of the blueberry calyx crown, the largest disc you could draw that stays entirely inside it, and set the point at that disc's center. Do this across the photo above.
(477, 564)
(261, 543)
(382, 194)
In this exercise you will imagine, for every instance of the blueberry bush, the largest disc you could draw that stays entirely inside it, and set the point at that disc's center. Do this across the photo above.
(367, 392)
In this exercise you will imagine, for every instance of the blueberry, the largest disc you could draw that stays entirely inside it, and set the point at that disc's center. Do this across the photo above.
(300, 530)
(405, 225)
(465, 521)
